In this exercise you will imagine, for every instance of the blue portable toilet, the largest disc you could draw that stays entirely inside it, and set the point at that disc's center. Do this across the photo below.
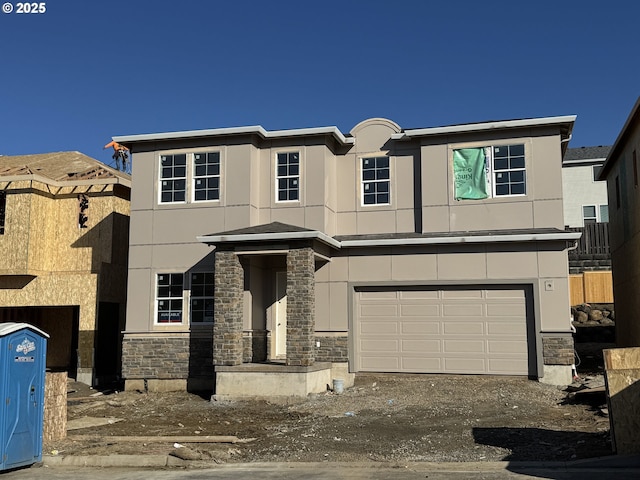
(23, 360)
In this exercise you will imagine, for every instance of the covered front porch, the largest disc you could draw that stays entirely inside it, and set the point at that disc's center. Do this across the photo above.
(264, 341)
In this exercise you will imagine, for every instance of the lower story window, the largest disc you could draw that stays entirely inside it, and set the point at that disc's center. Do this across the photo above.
(202, 297)
(169, 297)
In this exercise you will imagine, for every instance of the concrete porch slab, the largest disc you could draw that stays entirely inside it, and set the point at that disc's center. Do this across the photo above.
(271, 380)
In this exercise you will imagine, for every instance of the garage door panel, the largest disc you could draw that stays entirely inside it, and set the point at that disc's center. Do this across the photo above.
(511, 346)
(465, 365)
(380, 328)
(496, 293)
(419, 295)
(504, 310)
(505, 366)
(442, 330)
(419, 310)
(382, 345)
(432, 346)
(504, 328)
(421, 364)
(380, 364)
(460, 293)
(420, 328)
(472, 310)
(464, 346)
(379, 310)
(463, 328)
(378, 294)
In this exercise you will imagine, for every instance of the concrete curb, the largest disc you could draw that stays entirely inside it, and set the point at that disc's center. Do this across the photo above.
(610, 462)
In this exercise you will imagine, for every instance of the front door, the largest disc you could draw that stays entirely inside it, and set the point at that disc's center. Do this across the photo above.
(281, 315)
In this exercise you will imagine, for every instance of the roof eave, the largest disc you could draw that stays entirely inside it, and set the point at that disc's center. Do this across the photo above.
(250, 130)
(266, 237)
(567, 120)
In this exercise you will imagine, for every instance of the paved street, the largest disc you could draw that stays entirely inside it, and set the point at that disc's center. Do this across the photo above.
(291, 471)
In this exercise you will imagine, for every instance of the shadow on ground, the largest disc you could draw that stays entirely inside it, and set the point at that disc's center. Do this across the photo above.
(534, 444)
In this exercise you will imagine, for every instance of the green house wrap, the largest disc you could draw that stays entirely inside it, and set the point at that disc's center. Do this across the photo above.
(470, 174)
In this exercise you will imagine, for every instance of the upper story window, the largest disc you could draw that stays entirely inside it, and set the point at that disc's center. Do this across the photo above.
(173, 178)
(595, 169)
(595, 214)
(199, 170)
(288, 177)
(492, 171)
(376, 185)
(169, 297)
(206, 176)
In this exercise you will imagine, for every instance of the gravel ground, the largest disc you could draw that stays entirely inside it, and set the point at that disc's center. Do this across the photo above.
(383, 418)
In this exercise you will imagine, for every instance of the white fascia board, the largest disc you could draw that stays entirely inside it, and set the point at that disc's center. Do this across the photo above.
(258, 237)
(527, 237)
(300, 132)
(254, 129)
(475, 127)
(145, 137)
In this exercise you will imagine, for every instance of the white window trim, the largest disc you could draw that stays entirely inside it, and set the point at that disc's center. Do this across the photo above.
(185, 312)
(189, 177)
(277, 177)
(363, 181)
(192, 164)
(161, 178)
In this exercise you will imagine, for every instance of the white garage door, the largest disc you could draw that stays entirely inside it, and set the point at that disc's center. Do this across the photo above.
(442, 330)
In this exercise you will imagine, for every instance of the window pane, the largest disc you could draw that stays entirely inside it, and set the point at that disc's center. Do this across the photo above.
(383, 174)
(604, 213)
(516, 176)
(383, 187)
(368, 175)
(502, 189)
(501, 164)
(293, 195)
(382, 162)
(383, 198)
(180, 159)
(589, 211)
(369, 199)
(517, 162)
(516, 150)
(517, 189)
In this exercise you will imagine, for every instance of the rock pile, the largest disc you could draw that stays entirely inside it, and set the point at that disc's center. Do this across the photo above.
(593, 315)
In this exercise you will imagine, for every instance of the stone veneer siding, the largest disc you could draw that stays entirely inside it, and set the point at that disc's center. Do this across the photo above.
(300, 306)
(558, 350)
(228, 309)
(332, 349)
(254, 346)
(155, 357)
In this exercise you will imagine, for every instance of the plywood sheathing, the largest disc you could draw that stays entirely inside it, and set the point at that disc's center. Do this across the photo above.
(622, 375)
(55, 406)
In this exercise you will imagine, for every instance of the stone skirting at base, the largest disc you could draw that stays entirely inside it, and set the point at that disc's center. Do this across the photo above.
(159, 357)
(332, 349)
(558, 349)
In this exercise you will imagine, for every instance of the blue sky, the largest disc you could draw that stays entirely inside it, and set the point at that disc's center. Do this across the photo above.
(84, 71)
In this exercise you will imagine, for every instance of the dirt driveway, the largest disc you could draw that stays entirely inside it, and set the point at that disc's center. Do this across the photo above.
(382, 418)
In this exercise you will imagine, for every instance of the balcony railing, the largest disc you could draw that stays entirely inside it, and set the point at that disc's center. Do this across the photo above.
(594, 242)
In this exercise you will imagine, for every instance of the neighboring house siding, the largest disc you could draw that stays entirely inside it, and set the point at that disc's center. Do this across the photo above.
(624, 223)
(57, 275)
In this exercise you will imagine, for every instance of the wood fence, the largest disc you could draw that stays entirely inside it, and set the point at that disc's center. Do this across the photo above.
(591, 287)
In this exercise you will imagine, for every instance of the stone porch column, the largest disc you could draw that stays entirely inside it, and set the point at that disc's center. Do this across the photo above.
(228, 309)
(300, 306)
